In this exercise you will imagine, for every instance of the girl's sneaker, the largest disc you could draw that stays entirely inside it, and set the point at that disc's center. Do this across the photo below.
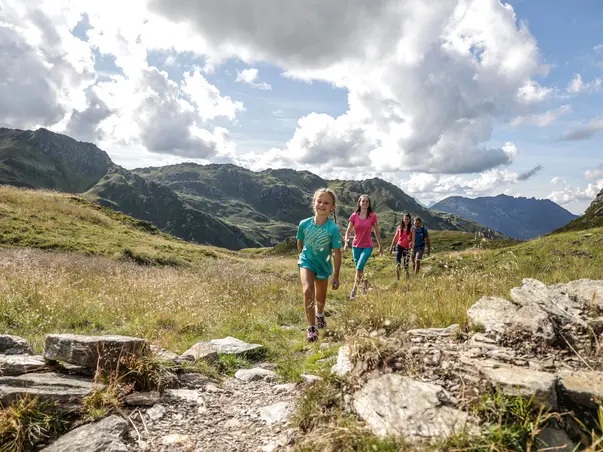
(364, 286)
(353, 293)
(312, 334)
(321, 322)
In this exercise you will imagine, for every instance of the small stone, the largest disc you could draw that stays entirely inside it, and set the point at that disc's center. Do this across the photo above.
(176, 439)
(196, 380)
(552, 439)
(185, 395)
(142, 398)
(233, 346)
(583, 388)
(276, 413)
(287, 387)
(343, 365)
(255, 374)
(374, 333)
(308, 378)
(163, 354)
(232, 424)
(157, 412)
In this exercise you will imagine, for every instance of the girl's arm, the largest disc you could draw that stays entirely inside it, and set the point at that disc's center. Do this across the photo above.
(300, 246)
(347, 236)
(412, 241)
(336, 267)
(376, 226)
(391, 248)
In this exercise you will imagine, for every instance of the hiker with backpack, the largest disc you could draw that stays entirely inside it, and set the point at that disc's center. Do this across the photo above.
(319, 246)
(420, 238)
(363, 221)
(402, 242)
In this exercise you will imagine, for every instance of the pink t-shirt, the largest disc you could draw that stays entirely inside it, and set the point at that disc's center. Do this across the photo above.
(362, 230)
(404, 237)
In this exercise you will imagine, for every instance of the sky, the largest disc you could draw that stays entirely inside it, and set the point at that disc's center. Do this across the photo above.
(454, 97)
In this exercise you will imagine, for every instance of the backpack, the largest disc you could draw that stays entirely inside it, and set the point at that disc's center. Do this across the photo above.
(420, 242)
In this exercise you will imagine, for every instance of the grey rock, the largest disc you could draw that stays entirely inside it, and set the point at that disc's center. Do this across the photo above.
(534, 319)
(343, 365)
(89, 351)
(196, 380)
(557, 304)
(178, 440)
(494, 314)
(14, 345)
(185, 395)
(106, 435)
(157, 412)
(255, 374)
(276, 413)
(163, 354)
(395, 405)
(47, 386)
(204, 351)
(587, 292)
(583, 388)
(287, 387)
(518, 381)
(309, 378)
(552, 439)
(142, 398)
(20, 364)
(233, 346)
(436, 332)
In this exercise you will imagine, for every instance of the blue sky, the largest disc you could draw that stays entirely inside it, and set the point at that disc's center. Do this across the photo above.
(472, 98)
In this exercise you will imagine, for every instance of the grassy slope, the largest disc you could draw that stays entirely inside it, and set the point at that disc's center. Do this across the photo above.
(592, 218)
(239, 294)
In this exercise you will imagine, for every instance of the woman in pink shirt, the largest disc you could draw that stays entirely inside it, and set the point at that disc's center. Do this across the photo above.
(363, 220)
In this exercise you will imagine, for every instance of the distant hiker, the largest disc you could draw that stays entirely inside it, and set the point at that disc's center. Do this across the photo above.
(420, 237)
(403, 244)
(317, 238)
(363, 220)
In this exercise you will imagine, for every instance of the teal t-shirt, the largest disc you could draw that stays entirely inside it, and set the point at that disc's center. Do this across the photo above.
(319, 241)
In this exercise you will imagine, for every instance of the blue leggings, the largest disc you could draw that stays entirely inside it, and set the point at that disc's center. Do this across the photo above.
(361, 255)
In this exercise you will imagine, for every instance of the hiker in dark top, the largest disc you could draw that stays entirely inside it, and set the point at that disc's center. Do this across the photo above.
(420, 238)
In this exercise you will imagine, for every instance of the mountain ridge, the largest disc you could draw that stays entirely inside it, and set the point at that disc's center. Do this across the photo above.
(518, 217)
(216, 204)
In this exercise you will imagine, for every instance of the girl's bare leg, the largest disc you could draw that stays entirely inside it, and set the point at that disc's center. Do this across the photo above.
(307, 279)
(321, 286)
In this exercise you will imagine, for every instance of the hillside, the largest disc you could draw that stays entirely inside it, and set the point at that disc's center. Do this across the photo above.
(520, 218)
(592, 218)
(268, 204)
(46, 160)
(61, 222)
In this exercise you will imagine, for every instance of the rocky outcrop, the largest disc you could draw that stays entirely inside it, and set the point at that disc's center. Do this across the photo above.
(65, 389)
(14, 345)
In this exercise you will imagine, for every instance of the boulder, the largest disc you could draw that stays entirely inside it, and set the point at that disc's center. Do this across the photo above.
(20, 364)
(494, 314)
(560, 306)
(343, 365)
(204, 351)
(587, 292)
(518, 381)
(64, 389)
(582, 388)
(533, 319)
(106, 435)
(255, 374)
(90, 351)
(14, 345)
(163, 354)
(393, 405)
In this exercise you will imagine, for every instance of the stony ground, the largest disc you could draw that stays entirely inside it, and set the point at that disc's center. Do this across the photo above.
(233, 416)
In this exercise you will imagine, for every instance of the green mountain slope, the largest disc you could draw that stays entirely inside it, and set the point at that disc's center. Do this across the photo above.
(46, 160)
(269, 204)
(43, 159)
(520, 218)
(592, 218)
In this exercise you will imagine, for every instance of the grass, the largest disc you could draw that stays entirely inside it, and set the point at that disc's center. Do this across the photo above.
(116, 276)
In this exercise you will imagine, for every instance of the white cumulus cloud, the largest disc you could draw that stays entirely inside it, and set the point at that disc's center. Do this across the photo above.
(577, 85)
(250, 77)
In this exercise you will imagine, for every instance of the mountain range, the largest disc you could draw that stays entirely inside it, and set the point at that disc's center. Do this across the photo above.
(217, 204)
(519, 218)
